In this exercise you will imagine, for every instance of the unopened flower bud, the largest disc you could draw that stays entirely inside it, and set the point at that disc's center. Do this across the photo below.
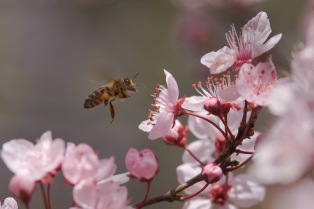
(142, 165)
(212, 173)
(22, 188)
(212, 105)
(176, 135)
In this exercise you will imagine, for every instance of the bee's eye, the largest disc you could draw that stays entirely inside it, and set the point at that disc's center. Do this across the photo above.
(127, 81)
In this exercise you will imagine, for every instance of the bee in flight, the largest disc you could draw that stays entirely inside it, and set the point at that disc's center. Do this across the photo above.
(116, 89)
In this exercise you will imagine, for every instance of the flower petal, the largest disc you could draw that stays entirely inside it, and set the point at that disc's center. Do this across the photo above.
(219, 61)
(173, 89)
(164, 121)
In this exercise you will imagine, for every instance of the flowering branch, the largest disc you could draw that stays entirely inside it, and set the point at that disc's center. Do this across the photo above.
(173, 194)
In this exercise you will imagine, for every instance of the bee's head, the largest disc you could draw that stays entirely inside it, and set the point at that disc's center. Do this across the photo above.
(129, 83)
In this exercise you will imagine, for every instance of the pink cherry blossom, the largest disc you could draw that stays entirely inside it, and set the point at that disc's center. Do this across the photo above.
(168, 107)
(109, 195)
(217, 97)
(9, 203)
(141, 164)
(22, 188)
(286, 154)
(117, 178)
(240, 191)
(81, 162)
(255, 82)
(33, 161)
(251, 44)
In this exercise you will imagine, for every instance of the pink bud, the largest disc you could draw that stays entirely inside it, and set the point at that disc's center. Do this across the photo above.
(142, 165)
(212, 105)
(176, 135)
(212, 173)
(22, 187)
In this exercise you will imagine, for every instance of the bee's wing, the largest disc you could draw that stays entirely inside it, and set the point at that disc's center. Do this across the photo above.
(101, 75)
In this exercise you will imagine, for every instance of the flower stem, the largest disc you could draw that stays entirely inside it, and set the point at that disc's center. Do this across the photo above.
(26, 205)
(195, 158)
(209, 121)
(224, 120)
(146, 195)
(44, 195)
(243, 152)
(48, 194)
(193, 195)
(240, 165)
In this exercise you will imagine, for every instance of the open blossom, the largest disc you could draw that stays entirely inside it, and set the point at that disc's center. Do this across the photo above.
(240, 191)
(9, 203)
(251, 44)
(286, 154)
(110, 195)
(217, 97)
(82, 163)
(168, 107)
(34, 161)
(141, 164)
(255, 82)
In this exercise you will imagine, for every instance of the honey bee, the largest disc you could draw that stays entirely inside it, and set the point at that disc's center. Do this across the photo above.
(116, 89)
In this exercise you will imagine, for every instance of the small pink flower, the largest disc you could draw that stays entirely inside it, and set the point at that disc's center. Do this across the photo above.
(255, 82)
(9, 203)
(217, 97)
(109, 195)
(34, 161)
(176, 135)
(142, 165)
(168, 107)
(212, 173)
(22, 187)
(241, 191)
(81, 162)
(251, 44)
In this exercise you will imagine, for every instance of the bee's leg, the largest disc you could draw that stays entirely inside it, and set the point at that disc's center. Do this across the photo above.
(106, 103)
(111, 111)
(124, 95)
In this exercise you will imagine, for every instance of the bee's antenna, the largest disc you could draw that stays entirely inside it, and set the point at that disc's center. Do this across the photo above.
(135, 76)
(140, 85)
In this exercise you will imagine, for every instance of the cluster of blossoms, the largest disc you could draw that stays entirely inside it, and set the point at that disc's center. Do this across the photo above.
(221, 117)
(94, 184)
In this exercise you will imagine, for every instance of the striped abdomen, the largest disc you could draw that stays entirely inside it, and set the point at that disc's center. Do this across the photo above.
(96, 98)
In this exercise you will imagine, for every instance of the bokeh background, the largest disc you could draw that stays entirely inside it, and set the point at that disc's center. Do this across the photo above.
(53, 53)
